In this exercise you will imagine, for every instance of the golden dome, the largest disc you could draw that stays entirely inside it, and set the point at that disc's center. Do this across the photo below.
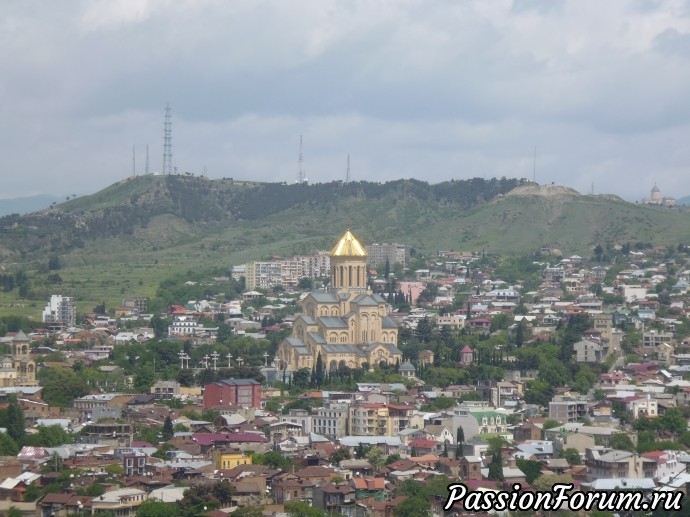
(348, 246)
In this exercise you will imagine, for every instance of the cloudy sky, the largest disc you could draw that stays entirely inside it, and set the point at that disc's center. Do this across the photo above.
(426, 89)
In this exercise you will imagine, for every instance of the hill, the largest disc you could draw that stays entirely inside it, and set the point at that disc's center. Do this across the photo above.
(131, 235)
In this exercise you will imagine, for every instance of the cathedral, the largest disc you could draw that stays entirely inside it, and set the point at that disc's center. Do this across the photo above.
(17, 369)
(346, 324)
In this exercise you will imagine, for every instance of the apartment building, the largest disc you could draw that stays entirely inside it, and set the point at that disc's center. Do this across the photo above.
(380, 253)
(288, 272)
(372, 419)
(60, 310)
(567, 411)
(331, 421)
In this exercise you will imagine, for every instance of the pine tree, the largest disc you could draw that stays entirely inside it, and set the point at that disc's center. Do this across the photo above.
(15, 419)
(318, 371)
(168, 431)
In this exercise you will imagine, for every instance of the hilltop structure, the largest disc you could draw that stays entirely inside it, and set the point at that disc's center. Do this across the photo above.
(657, 199)
(346, 324)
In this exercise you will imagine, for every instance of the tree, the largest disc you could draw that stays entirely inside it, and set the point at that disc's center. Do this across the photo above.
(144, 378)
(319, 371)
(339, 455)
(155, 508)
(168, 430)
(15, 419)
(496, 465)
(520, 334)
(460, 436)
(622, 442)
(413, 507)
(572, 456)
(249, 511)
(545, 483)
(376, 456)
(8, 447)
(53, 263)
(550, 424)
(531, 469)
(300, 509)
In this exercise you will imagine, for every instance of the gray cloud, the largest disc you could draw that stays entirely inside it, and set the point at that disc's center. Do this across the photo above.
(433, 90)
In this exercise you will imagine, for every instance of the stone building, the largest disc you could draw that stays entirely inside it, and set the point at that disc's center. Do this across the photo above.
(346, 324)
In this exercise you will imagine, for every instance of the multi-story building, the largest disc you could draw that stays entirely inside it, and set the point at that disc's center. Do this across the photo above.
(165, 390)
(60, 310)
(139, 303)
(288, 272)
(331, 421)
(233, 392)
(380, 253)
(606, 463)
(300, 417)
(653, 338)
(567, 411)
(372, 419)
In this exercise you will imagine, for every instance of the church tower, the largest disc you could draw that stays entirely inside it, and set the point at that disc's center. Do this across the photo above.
(348, 264)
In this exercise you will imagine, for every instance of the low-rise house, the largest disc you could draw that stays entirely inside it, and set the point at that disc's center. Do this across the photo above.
(123, 502)
(62, 505)
(606, 463)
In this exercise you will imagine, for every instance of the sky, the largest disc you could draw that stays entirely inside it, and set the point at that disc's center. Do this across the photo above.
(427, 89)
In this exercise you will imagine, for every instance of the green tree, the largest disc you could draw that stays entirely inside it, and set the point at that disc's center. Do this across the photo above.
(413, 507)
(531, 469)
(61, 386)
(12, 419)
(168, 429)
(8, 447)
(144, 378)
(572, 456)
(156, 508)
(622, 442)
(14, 512)
(249, 511)
(301, 509)
(376, 456)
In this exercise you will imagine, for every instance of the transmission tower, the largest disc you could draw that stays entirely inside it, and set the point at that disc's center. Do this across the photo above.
(146, 170)
(300, 163)
(347, 175)
(134, 160)
(167, 142)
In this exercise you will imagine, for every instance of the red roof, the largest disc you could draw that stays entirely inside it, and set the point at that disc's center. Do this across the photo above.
(211, 438)
(466, 350)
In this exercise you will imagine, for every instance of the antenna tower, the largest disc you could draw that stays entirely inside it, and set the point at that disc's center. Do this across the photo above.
(167, 141)
(347, 176)
(534, 170)
(134, 160)
(146, 170)
(300, 163)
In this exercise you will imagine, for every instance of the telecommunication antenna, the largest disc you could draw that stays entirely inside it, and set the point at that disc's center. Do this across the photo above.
(300, 163)
(146, 170)
(347, 175)
(134, 160)
(534, 170)
(167, 141)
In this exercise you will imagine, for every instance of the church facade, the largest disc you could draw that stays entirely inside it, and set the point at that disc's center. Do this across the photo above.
(17, 369)
(346, 324)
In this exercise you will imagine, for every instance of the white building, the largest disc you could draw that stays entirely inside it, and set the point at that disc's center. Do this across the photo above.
(60, 309)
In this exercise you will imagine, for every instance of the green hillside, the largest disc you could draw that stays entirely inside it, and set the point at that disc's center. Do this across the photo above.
(128, 237)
